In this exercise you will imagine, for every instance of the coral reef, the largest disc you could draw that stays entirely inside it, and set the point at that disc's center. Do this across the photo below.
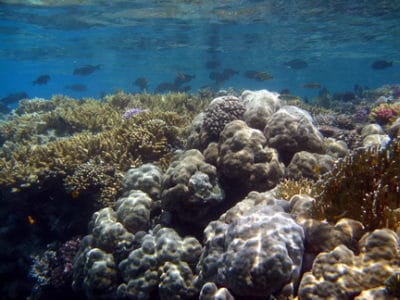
(340, 273)
(220, 112)
(53, 269)
(147, 178)
(363, 186)
(259, 105)
(210, 291)
(309, 165)
(122, 259)
(385, 113)
(244, 160)
(190, 188)
(147, 137)
(287, 188)
(254, 249)
(290, 130)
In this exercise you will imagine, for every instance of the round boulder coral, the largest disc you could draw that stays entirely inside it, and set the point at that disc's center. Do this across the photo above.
(220, 112)
(290, 130)
(190, 188)
(245, 160)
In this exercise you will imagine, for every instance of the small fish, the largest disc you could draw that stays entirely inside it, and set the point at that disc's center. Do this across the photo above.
(86, 70)
(76, 87)
(182, 78)
(42, 79)
(296, 64)
(142, 83)
(225, 75)
(312, 85)
(260, 76)
(381, 64)
(13, 98)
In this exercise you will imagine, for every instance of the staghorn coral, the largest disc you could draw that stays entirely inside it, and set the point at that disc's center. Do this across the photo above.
(181, 103)
(146, 137)
(363, 186)
(287, 188)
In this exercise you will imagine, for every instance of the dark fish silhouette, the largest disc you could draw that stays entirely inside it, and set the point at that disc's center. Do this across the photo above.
(182, 78)
(296, 64)
(86, 70)
(312, 85)
(13, 98)
(42, 79)
(225, 75)
(165, 87)
(212, 64)
(142, 83)
(381, 64)
(259, 76)
(76, 87)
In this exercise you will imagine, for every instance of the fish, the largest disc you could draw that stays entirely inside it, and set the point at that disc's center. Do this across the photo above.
(13, 98)
(296, 64)
(312, 85)
(257, 75)
(225, 75)
(42, 79)
(182, 78)
(76, 87)
(86, 70)
(142, 83)
(212, 64)
(381, 64)
(165, 87)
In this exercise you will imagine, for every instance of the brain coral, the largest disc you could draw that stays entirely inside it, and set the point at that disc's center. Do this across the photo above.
(245, 160)
(190, 188)
(253, 250)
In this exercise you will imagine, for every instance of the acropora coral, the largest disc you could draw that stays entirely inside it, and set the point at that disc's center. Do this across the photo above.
(96, 130)
(364, 186)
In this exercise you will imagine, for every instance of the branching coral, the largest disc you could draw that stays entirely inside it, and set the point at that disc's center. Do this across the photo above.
(287, 188)
(146, 137)
(364, 186)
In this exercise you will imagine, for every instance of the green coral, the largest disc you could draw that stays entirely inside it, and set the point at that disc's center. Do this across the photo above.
(364, 186)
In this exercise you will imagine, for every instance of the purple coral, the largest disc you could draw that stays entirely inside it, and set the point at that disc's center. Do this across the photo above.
(129, 113)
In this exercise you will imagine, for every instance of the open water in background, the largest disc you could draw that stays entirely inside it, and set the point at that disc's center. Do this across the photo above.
(339, 40)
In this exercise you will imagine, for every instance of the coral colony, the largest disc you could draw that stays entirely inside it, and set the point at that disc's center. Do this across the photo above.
(242, 196)
(129, 113)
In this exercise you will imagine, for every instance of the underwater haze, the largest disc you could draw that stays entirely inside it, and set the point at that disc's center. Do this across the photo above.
(91, 48)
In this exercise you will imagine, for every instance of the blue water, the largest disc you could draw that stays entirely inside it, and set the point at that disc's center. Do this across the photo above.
(339, 40)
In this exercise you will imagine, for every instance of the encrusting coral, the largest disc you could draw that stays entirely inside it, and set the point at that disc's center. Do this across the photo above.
(363, 186)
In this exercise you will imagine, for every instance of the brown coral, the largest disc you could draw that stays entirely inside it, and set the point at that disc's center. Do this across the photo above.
(363, 186)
